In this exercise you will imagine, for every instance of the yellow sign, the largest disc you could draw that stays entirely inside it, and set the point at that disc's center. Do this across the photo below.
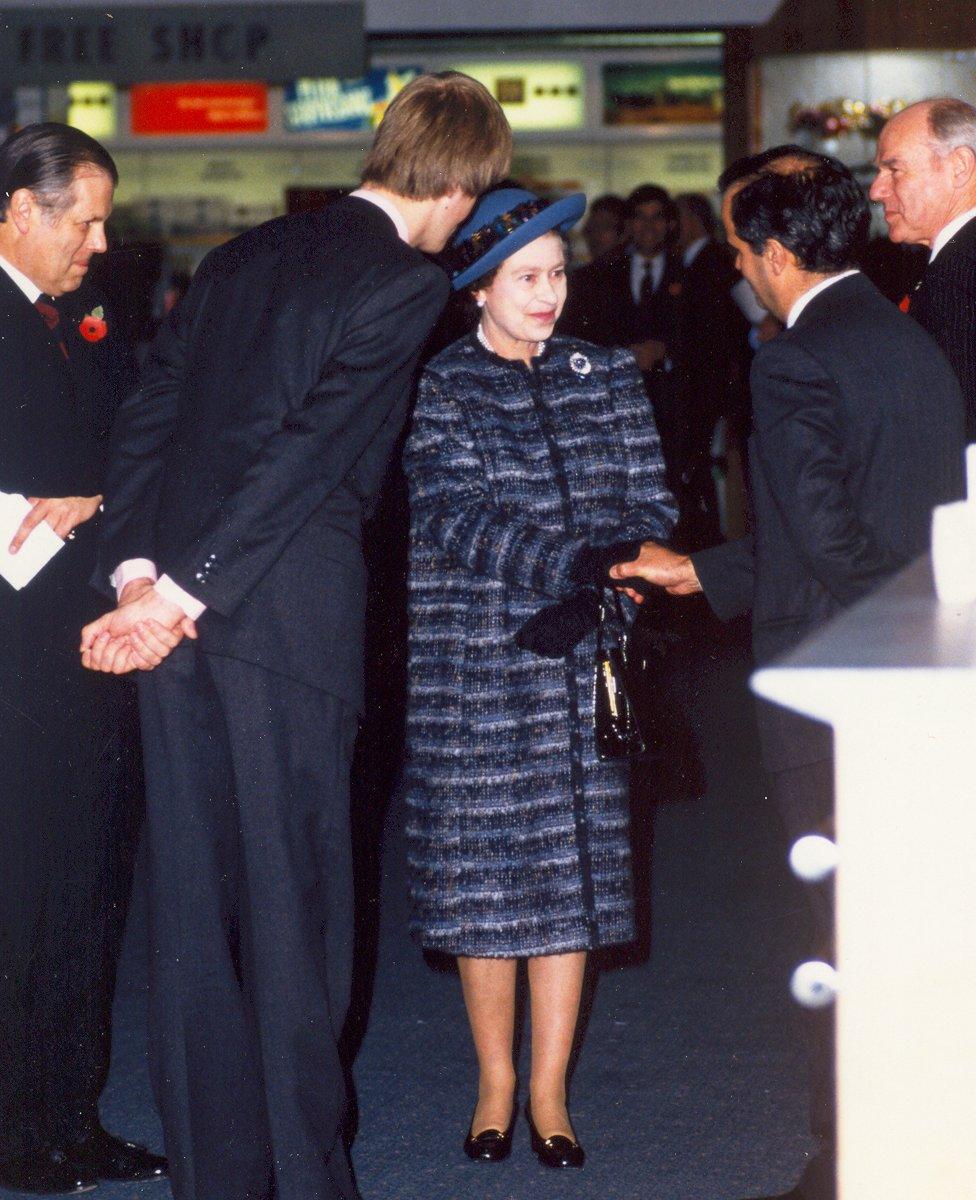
(92, 109)
(534, 95)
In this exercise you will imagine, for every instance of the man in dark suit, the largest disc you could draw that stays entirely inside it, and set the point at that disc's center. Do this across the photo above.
(241, 471)
(633, 297)
(848, 461)
(926, 181)
(713, 358)
(68, 813)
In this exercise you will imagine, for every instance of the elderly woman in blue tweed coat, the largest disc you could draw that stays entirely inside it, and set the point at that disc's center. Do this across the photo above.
(533, 466)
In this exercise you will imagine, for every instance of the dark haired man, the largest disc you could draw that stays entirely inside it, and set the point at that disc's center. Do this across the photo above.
(605, 227)
(68, 819)
(857, 434)
(926, 181)
(633, 297)
(243, 467)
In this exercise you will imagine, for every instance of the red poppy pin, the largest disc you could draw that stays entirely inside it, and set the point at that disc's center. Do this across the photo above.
(94, 326)
(674, 289)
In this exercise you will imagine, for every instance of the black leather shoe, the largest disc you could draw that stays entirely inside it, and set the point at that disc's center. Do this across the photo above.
(558, 1151)
(490, 1145)
(109, 1158)
(46, 1172)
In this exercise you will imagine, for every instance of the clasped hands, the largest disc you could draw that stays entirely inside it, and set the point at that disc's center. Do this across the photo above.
(556, 630)
(138, 634)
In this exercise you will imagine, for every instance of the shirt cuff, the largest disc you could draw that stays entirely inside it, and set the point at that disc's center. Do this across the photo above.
(170, 590)
(132, 568)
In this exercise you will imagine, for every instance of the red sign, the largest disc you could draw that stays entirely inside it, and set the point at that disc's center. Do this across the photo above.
(179, 108)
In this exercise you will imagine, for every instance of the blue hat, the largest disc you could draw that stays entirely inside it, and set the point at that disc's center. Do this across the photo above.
(504, 221)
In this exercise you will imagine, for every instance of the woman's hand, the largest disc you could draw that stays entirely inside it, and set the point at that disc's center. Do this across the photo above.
(64, 514)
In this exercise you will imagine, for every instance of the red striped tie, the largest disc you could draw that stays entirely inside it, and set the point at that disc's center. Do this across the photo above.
(52, 319)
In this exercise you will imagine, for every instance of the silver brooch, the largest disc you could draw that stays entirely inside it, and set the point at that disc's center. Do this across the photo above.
(580, 364)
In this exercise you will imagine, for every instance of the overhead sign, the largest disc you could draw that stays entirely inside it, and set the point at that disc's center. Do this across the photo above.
(318, 104)
(131, 44)
(193, 108)
(534, 95)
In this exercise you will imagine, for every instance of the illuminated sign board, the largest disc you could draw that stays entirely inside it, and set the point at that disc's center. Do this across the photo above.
(662, 93)
(318, 104)
(92, 109)
(534, 95)
(198, 108)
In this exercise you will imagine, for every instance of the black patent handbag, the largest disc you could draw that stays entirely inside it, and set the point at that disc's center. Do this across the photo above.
(617, 726)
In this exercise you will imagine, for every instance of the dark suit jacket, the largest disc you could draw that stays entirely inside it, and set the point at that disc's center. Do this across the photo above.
(260, 433)
(858, 434)
(600, 306)
(55, 414)
(944, 304)
(715, 342)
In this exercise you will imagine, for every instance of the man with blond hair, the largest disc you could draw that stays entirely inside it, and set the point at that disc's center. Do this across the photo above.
(926, 181)
(241, 471)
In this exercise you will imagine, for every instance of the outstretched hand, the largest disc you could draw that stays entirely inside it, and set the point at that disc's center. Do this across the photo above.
(137, 635)
(660, 566)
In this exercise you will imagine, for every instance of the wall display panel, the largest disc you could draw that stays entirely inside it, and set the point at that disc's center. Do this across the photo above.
(337, 104)
(179, 109)
(662, 93)
(539, 96)
(93, 108)
(877, 78)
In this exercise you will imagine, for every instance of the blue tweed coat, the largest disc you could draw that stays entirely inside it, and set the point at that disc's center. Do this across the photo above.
(518, 834)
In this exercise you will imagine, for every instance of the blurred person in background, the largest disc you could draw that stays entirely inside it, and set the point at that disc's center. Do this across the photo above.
(605, 227)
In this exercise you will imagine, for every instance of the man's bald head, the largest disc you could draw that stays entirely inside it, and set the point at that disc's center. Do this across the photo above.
(926, 165)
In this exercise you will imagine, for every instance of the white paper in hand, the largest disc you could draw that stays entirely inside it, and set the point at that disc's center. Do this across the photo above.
(42, 545)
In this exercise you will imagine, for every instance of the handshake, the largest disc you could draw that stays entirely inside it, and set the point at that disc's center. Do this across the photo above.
(556, 630)
(138, 634)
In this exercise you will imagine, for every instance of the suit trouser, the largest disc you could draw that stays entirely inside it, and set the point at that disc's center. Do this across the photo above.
(247, 782)
(71, 812)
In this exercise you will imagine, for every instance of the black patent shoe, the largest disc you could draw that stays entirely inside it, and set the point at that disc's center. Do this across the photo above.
(111, 1159)
(558, 1151)
(46, 1173)
(490, 1145)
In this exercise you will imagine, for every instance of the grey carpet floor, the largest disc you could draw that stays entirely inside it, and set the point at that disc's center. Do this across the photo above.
(690, 1080)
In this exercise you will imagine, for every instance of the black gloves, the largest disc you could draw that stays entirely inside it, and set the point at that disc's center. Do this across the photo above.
(593, 562)
(555, 630)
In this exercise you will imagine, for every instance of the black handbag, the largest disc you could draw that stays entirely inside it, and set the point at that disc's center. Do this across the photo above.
(616, 724)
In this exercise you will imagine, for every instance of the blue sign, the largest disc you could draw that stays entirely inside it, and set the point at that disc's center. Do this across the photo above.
(311, 104)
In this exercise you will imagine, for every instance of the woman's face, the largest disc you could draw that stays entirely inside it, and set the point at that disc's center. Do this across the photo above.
(523, 302)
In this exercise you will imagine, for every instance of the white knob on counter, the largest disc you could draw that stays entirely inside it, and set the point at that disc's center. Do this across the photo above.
(813, 858)
(814, 984)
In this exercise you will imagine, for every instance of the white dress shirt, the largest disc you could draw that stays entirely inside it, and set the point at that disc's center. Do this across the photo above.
(805, 299)
(949, 231)
(30, 290)
(638, 268)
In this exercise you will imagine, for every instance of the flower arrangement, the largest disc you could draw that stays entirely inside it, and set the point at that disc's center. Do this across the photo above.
(836, 118)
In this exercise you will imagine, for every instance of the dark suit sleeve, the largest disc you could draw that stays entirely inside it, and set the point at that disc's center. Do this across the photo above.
(727, 574)
(143, 424)
(800, 450)
(315, 446)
